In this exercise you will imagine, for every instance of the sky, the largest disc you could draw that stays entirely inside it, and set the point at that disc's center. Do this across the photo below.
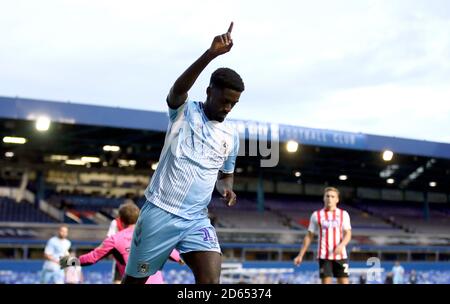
(377, 67)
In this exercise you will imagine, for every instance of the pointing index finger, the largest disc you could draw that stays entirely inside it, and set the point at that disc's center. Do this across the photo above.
(230, 28)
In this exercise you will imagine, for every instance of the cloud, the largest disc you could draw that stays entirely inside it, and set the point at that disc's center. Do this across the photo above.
(305, 57)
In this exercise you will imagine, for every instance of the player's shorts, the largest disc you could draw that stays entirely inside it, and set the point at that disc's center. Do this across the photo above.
(333, 268)
(158, 232)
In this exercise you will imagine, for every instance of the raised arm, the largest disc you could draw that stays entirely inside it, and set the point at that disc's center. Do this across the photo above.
(178, 93)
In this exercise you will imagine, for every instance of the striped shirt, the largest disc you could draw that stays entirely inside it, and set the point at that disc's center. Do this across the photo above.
(194, 151)
(330, 225)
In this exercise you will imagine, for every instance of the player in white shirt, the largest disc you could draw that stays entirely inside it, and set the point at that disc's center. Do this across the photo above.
(334, 229)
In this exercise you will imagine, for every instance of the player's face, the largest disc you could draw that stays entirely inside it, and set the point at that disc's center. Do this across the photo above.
(331, 199)
(63, 232)
(220, 102)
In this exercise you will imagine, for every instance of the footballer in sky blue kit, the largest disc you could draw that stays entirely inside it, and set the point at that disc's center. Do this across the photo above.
(199, 154)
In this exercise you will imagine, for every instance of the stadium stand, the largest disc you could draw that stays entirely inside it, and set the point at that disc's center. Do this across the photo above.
(411, 216)
(11, 211)
(408, 220)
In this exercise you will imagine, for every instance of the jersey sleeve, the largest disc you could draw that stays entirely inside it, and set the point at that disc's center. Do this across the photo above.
(346, 223)
(313, 223)
(230, 161)
(98, 253)
(112, 228)
(174, 114)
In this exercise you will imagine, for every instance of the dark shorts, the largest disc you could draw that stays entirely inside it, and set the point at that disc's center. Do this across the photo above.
(333, 268)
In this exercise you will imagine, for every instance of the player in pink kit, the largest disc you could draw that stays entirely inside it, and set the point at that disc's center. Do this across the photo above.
(119, 246)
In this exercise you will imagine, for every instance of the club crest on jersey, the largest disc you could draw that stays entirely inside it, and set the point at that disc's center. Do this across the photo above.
(143, 267)
(330, 224)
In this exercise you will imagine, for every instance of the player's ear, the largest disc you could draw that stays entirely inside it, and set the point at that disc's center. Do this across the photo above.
(208, 91)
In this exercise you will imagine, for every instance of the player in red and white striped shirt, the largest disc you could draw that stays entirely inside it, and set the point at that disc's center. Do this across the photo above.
(333, 227)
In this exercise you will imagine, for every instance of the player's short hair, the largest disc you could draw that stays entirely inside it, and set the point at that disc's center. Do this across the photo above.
(128, 213)
(331, 189)
(225, 78)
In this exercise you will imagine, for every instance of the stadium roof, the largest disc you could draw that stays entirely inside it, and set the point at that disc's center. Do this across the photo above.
(82, 130)
(81, 114)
